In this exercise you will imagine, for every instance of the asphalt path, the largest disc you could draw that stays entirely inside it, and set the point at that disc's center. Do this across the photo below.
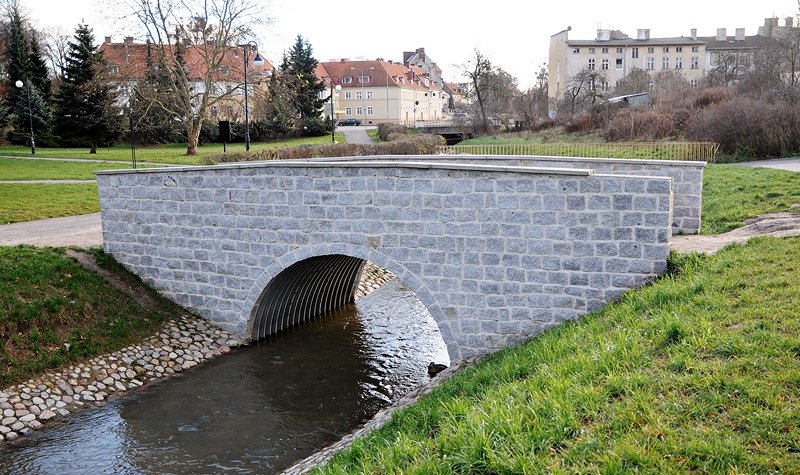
(789, 164)
(80, 231)
(355, 134)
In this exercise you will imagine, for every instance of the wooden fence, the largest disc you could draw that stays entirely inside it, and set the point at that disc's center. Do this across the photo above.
(693, 151)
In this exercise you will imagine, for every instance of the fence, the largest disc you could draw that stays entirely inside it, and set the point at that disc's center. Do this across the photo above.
(691, 151)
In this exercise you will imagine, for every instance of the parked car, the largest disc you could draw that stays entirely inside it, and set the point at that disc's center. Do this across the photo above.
(350, 122)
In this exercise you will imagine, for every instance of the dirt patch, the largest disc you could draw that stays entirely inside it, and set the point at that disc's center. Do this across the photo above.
(774, 224)
(134, 290)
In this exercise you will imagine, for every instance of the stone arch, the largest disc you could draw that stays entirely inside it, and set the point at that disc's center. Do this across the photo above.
(268, 279)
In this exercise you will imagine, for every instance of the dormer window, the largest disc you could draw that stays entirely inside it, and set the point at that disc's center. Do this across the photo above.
(223, 70)
(363, 79)
(347, 80)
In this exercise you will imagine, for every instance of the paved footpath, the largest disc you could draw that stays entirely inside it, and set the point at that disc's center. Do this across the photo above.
(81, 231)
(789, 164)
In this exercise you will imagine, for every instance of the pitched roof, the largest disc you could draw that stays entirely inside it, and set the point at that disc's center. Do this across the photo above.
(129, 59)
(379, 72)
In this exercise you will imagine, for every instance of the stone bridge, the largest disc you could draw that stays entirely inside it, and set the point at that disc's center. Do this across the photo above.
(496, 253)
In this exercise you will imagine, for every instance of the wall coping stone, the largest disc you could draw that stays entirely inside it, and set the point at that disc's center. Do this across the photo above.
(324, 163)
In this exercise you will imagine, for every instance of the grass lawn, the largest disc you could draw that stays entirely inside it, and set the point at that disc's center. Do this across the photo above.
(733, 193)
(19, 169)
(171, 153)
(698, 372)
(30, 202)
(47, 299)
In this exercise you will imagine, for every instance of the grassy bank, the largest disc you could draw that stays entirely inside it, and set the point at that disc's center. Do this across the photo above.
(19, 169)
(47, 300)
(699, 372)
(30, 202)
(170, 153)
(733, 193)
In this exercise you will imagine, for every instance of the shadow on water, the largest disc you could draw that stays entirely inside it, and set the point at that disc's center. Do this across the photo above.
(257, 410)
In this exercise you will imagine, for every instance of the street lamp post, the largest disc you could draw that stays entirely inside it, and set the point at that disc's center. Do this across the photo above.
(335, 88)
(258, 61)
(20, 84)
(361, 80)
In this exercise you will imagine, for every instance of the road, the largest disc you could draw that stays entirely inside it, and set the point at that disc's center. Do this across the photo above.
(355, 134)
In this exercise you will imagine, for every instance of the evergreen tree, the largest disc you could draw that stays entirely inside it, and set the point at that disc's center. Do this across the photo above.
(39, 73)
(149, 103)
(16, 63)
(298, 69)
(34, 113)
(85, 109)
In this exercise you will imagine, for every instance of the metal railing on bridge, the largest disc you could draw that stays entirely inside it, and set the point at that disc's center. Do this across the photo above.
(692, 151)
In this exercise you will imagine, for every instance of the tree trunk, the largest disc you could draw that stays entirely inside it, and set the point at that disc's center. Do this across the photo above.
(193, 137)
(93, 148)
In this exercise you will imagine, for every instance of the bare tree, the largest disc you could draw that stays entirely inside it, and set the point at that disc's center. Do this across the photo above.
(635, 82)
(532, 104)
(211, 28)
(56, 45)
(477, 71)
(582, 88)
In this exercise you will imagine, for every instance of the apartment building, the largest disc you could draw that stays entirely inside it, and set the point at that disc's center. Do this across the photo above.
(126, 64)
(614, 54)
(375, 91)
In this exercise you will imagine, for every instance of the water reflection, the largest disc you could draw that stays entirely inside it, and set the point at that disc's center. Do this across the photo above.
(257, 410)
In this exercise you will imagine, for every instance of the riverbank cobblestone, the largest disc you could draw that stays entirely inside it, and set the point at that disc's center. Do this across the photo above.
(180, 345)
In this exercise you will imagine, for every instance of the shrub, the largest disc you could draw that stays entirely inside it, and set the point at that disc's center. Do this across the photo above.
(423, 144)
(385, 130)
(639, 124)
(748, 128)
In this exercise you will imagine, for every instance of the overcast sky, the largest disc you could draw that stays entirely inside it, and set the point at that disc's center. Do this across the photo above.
(514, 35)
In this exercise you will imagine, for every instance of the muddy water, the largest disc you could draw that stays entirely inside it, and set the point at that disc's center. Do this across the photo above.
(257, 410)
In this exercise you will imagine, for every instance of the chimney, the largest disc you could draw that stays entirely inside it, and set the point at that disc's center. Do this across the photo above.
(789, 22)
(740, 34)
(722, 34)
(108, 40)
(693, 33)
(603, 35)
(643, 34)
(128, 40)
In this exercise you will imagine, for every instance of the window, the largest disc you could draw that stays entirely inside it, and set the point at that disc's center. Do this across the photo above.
(695, 62)
(678, 63)
(223, 70)
(359, 111)
(634, 52)
(695, 49)
(369, 94)
(619, 50)
(604, 65)
(576, 50)
(358, 95)
(651, 63)
(348, 111)
(347, 80)
(693, 83)
(591, 63)
(679, 49)
(348, 95)
(369, 110)
(591, 50)
(666, 49)
(113, 69)
(604, 85)
(665, 63)
(605, 50)
(619, 64)
(363, 79)
(651, 50)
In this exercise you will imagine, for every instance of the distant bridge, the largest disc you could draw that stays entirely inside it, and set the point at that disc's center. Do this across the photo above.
(452, 131)
(496, 253)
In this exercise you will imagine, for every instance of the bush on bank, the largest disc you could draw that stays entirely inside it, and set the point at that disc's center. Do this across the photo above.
(410, 145)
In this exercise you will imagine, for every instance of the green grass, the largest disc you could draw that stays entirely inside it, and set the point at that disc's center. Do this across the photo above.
(733, 193)
(30, 202)
(19, 169)
(47, 300)
(171, 153)
(698, 372)
(553, 135)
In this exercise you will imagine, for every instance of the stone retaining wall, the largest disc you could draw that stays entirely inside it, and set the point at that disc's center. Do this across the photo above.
(496, 254)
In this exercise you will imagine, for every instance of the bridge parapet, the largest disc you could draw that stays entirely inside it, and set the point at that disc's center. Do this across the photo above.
(687, 175)
(496, 253)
